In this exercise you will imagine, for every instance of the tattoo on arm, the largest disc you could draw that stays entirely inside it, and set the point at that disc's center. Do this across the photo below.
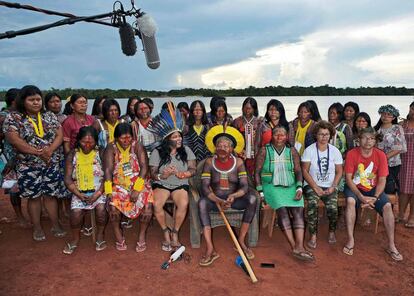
(191, 167)
(243, 182)
(69, 169)
(142, 159)
(205, 182)
(261, 156)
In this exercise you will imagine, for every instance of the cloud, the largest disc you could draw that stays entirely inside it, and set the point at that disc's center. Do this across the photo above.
(377, 53)
(220, 44)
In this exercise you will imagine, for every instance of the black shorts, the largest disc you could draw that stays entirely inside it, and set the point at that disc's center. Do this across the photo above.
(156, 185)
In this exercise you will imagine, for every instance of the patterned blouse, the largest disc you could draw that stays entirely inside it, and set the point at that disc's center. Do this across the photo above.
(393, 140)
(196, 142)
(18, 122)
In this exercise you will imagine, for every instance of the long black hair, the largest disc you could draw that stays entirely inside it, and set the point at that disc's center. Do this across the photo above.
(27, 91)
(253, 103)
(363, 115)
(11, 96)
(164, 151)
(216, 105)
(308, 105)
(279, 107)
(107, 105)
(191, 119)
(411, 106)
(122, 129)
(95, 108)
(316, 116)
(49, 96)
(128, 112)
(354, 106)
(86, 131)
(339, 109)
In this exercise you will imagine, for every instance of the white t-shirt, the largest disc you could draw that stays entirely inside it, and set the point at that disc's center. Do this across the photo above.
(322, 168)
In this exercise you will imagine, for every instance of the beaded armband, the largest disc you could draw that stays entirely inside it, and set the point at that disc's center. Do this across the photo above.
(108, 187)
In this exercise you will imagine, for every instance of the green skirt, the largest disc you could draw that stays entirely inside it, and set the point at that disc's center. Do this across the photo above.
(279, 196)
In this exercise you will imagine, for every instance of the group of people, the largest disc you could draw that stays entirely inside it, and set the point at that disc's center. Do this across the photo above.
(125, 167)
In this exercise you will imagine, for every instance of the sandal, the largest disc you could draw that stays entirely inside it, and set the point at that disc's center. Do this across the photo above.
(100, 245)
(39, 235)
(332, 240)
(87, 231)
(122, 246)
(141, 247)
(311, 244)
(348, 250)
(409, 225)
(303, 255)
(206, 261)
(247, 252)
(58, 232)
(399, 220)
(126, 224)
(396, 256)
(69, 249)
(166, 245)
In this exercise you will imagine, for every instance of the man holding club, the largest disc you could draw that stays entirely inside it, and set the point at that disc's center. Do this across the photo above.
(224, 182)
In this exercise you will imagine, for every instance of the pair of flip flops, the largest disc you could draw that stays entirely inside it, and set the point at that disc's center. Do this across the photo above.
(396, 256)
(304, 256)
(348, 250)
(39, 235)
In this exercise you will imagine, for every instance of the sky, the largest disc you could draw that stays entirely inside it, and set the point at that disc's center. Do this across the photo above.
(217, 44)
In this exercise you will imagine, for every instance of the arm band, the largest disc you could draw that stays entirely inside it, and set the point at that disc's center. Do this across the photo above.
(108, 187)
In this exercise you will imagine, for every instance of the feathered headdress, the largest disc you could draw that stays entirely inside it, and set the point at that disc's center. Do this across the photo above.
(167, 122)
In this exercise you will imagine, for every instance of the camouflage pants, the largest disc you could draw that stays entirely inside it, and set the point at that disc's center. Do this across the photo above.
(331, 205)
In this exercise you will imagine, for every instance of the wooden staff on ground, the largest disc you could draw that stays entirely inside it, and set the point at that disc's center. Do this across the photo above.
(239, 249)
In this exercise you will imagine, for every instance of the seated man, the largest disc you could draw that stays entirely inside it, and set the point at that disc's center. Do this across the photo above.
(366, 171)
(224, 181)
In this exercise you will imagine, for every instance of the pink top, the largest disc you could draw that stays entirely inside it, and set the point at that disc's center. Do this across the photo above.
(71, 128)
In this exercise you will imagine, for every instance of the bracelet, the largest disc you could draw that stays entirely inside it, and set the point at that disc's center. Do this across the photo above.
(108, 187)
(299, 189)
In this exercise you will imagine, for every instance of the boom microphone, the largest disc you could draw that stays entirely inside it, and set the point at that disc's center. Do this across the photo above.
(147, 28)
(127, 34)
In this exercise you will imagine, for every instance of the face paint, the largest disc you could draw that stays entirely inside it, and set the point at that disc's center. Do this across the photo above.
(222, 152)
(125, 140)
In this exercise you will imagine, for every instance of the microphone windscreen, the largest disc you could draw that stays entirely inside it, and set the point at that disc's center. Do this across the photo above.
(128, 44)
(147, 29)
(151, 51)
(177, 253)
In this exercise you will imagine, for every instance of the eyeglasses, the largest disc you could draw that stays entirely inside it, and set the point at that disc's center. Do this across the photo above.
(323, 135)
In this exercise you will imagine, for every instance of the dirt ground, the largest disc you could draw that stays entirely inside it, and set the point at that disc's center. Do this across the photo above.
(31, 268)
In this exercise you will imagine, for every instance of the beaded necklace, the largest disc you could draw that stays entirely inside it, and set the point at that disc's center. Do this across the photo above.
(38, 128)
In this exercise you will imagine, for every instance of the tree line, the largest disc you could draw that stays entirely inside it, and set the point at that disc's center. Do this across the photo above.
(324, 90)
